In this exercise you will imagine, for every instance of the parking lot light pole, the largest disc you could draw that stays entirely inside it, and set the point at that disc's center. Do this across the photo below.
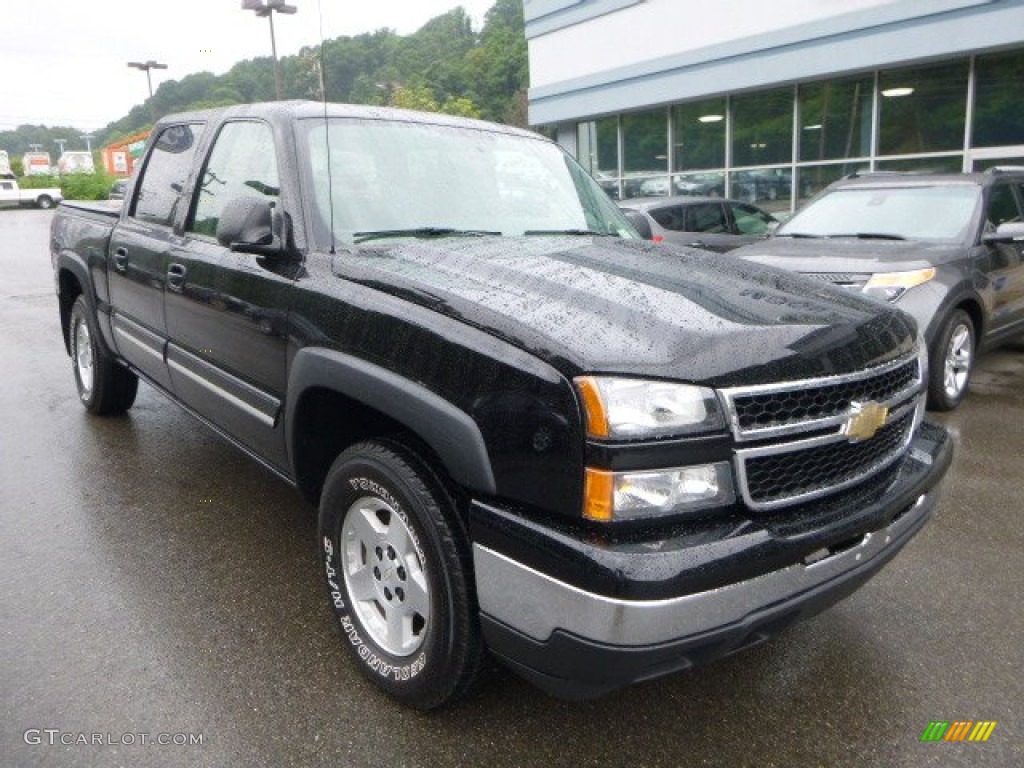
(267, 8)
(148, 65)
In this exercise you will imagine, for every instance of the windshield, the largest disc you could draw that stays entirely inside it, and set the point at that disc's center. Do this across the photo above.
(393, 178)
(912, 213)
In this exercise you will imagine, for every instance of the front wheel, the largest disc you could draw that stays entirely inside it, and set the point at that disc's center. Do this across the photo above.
(399, 575)
(104, 386)
(952, 362)
(45, 202)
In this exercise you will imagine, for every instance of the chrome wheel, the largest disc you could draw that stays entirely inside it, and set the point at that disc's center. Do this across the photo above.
(384, 576)
(957, 364)
(84, 358)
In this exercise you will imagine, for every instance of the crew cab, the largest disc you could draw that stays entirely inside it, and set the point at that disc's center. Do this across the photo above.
(11, 195)
(528, 431)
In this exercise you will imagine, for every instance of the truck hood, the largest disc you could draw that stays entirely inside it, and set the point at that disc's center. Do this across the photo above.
(848, 254)
(606, 305)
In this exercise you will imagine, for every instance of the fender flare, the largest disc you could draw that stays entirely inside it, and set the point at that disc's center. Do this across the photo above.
(449, 431)
(69, 261)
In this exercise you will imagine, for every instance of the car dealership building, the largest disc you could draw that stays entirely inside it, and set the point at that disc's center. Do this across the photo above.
(770, 102)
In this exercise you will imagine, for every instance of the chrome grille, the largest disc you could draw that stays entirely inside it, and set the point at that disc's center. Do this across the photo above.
(785, 476)
(758, 411)
(792, 436)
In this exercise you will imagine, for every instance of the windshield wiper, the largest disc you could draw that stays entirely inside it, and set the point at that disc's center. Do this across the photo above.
(872, 236)
(800, 235)
(421, 232)
(590, 232)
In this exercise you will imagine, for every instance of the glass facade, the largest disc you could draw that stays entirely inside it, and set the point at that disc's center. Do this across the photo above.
(781, 146)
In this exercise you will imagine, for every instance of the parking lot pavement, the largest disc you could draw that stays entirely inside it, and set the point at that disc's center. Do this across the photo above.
(154, 580)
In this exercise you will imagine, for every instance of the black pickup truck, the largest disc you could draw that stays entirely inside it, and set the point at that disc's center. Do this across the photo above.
(528, 431)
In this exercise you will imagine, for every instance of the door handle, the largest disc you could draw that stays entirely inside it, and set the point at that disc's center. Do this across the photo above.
(121, 259)
(176, 276)
(697, 244)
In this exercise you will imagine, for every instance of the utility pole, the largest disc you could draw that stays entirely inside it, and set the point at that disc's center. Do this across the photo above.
(60, 144)
(87, 138)
(266, 8)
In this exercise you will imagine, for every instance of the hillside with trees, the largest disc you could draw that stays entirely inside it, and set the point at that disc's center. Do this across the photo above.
(445, 66)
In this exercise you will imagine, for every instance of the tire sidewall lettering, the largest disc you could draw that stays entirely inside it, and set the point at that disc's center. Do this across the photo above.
(369, 655)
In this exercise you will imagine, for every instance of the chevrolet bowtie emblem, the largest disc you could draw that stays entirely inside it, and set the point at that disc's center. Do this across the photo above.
(864, 421)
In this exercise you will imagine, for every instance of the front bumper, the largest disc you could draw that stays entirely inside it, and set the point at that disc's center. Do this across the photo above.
(582, 639)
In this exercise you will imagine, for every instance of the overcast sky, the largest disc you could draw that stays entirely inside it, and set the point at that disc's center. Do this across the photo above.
(64, 62)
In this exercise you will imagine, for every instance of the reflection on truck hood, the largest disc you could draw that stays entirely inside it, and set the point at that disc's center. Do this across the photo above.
(604, 305)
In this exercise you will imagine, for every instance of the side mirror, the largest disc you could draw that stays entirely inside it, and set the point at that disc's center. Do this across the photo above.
(640, 224)
(1008, 232)
(251, 225)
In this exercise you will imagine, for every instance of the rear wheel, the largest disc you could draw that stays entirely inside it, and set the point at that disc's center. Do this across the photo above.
(952, 362)
(399, 574)
(104, 386)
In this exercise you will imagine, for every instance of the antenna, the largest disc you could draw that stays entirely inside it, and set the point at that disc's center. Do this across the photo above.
(327, 123)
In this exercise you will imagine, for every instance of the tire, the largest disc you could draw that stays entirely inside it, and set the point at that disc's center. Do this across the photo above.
(45, 202)
(399, 575)
(951, 362)
(104, 386)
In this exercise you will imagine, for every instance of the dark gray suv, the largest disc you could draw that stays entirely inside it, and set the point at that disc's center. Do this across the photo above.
(948, 249)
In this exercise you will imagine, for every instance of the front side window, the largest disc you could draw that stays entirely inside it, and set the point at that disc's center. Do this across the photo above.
(165, 174)
(243, 163)
(1002, 207)
(750, 220)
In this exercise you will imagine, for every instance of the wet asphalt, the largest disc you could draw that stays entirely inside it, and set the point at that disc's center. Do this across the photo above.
(153, 580)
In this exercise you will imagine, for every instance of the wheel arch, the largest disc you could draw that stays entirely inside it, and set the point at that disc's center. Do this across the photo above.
(335, 399)
(72, 280)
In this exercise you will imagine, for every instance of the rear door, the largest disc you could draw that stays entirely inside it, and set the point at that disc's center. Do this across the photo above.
(227, 312)
(139, 245)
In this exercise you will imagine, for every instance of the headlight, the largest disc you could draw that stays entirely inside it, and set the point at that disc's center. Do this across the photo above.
(636, 495)
(889, 286)
(633, 409)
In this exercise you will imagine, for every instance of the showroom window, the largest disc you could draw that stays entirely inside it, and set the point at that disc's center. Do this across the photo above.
(835, 119)
(814, 178)
(922, 109)
(909, 119)
(645, 153)
(997, 103)
(598, 151)
(698, 135)
(762, 128)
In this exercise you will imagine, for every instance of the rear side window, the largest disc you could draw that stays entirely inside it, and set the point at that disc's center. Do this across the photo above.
(163, 178)
(670, 218)
(1002, 207)
(243, 163)
(706, 217)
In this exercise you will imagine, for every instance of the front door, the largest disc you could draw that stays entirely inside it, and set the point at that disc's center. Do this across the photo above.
(226, 311)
